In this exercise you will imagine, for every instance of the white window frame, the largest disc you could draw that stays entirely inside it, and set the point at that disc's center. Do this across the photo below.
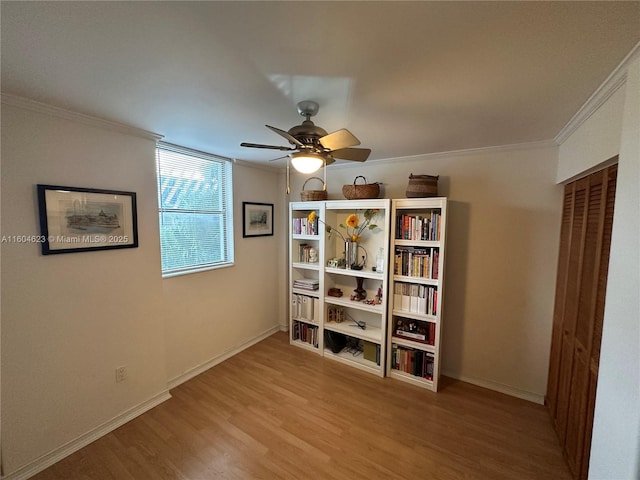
(172, 153)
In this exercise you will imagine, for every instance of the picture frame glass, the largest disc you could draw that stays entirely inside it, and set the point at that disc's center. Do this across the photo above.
(76, 219)
(257, 219)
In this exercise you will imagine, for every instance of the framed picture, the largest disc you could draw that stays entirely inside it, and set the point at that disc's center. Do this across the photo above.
(85, 219)
(257, 219)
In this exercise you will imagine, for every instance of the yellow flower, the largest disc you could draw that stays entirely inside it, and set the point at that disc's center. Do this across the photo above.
(312, 216)
(355, 238)
(352, 220)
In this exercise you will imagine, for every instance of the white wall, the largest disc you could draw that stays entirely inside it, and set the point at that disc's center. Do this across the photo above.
(69, 320)
(615, 449)
(502, 245)
(211, 314)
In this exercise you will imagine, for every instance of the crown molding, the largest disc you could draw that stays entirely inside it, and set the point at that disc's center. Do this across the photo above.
(612, 83)
(46, 109)
(455, 153)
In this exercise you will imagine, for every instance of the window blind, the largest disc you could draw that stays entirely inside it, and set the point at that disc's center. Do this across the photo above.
(195, 202)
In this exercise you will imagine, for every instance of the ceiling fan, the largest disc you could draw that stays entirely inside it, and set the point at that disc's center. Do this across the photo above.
(312, 146)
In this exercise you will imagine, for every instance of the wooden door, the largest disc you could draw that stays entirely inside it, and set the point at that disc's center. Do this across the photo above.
(583, 262)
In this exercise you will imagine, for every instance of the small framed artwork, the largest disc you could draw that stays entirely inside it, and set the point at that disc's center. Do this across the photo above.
(85, 219)
(257, 219)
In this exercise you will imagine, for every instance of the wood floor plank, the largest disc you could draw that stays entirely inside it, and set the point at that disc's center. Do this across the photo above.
(279, 412)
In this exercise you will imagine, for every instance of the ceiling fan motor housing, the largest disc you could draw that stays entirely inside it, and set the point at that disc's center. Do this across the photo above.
(308, 133)
(309, 138)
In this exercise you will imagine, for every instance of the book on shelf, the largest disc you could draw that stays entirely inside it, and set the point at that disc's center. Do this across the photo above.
(412, 361)
(305, 308)
(302, 226)
(415, 298)
(305, 332)
(419, 227)
(307, 283)
(307, 253)
(415, 330)
(417, 262)
(371, 351)
(316, 310)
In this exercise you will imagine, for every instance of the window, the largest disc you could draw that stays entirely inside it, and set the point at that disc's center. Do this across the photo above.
(195, 201)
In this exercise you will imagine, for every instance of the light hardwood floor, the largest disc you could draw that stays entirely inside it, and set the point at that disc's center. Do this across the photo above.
(278, 412)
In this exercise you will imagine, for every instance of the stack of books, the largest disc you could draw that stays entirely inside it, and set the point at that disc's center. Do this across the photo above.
(306, 284)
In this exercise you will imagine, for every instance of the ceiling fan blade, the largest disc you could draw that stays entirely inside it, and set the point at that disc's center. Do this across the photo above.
(353, 154)
(329, 160)
(279, 158)
(286, 135)
(272, 147)
(339, 139)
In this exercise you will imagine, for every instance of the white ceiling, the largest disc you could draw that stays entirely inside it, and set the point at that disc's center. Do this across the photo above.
(407, 78)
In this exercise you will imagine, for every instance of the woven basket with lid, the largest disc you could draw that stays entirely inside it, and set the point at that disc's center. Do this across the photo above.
(422, 186)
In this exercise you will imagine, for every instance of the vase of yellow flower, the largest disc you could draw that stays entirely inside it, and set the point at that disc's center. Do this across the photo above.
(354, 229)
(351, 254)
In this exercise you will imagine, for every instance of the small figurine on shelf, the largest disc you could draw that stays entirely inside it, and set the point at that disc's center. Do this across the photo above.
(360, 292)
(379, 296)
(313, 255)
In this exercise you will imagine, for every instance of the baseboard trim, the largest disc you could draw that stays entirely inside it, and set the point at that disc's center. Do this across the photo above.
(85, 439)
(499, 387)
(203, 367)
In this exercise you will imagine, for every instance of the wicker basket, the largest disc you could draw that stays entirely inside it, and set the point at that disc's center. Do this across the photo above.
(359, 192)
(313, 195)
(422, 186)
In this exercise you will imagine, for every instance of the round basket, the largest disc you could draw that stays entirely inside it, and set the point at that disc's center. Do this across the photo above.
(422, 186)
(313, 195)
(358, 192)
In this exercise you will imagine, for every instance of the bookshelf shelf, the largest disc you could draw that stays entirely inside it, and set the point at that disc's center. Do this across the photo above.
(416, 290)
(306, 265)
(422, 280)
(309, 293)
(371, 334)
(407, 377)
(305, 320)
(416, 243)
(305, 237)
(407, 342)
(358, 361)
(305, 345)
(355, 273)
(415, 315)
(345, 302)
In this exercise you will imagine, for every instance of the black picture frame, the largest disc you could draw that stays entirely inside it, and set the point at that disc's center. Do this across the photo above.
(257, 219)
(74, 219)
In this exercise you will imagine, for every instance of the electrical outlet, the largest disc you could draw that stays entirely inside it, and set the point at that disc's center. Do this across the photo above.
(121, 373)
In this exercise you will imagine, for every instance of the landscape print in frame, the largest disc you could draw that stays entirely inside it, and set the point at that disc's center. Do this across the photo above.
(257, 219)
(76, 219)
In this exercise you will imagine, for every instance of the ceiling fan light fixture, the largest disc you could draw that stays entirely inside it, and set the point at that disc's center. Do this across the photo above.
(307, 162)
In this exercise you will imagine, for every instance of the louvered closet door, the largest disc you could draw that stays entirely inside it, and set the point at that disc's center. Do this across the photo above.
(579, 307)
